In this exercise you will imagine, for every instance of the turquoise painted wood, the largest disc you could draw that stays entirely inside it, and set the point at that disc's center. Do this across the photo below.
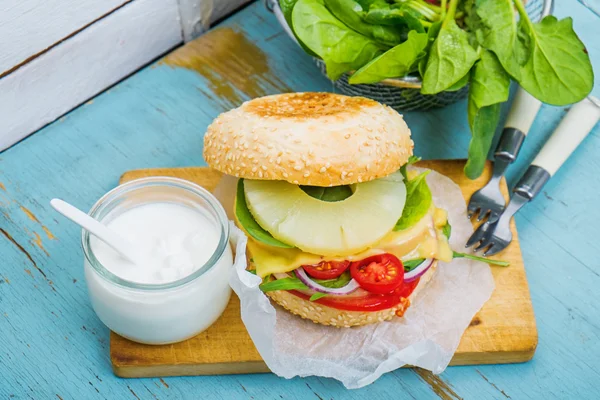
(52, 346)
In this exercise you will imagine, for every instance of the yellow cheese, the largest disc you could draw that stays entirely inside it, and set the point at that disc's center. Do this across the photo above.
(423, 240)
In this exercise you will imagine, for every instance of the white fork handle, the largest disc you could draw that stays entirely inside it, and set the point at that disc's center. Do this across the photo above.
(573, 128)
(523, 111)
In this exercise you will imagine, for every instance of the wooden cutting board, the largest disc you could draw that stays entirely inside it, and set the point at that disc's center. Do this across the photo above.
(503, 331)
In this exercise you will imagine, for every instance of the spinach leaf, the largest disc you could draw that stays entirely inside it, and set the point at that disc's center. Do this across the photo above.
(383, 14)
(555, 66)
(418, 202)
(350, 13)
(483, 128)
(412, 264)
(396, 62)
(331, 194)
(411, 160)
(340, 47)
(283, 284)
(317, 296)
(495, 27)
(245, 218)
(489, 87)
(451, 56)
(432, 33)
(286, 8)
(462, 82)
(482, 259)
(338, 282)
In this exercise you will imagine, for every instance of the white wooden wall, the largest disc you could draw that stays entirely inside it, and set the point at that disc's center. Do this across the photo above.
(56, 54)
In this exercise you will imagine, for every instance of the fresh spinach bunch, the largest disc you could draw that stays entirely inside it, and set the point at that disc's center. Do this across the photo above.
(449, 44)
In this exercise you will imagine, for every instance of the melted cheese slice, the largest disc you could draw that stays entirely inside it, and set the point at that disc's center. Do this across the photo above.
(423, 240)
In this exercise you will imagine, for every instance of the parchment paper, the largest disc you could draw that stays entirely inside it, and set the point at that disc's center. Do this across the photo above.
(427, 336)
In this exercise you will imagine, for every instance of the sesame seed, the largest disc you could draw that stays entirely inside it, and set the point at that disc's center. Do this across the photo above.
(347, 136)
(264, 167)
(260, 174)
(297, 167)
(269, 146)
(322, 170)
(254, 169)
(295, 182)
(306, 174)
(285, 175)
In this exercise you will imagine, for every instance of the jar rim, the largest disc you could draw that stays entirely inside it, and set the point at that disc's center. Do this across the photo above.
(156, 181)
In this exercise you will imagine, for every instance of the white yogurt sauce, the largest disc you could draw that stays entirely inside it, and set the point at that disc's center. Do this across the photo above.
(174, 241)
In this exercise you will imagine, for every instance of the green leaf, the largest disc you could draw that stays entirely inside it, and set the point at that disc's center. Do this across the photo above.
(450, 58)
(483, 128)
(418, 202)
(248, 222)
(383, 14)
(460, 84)
(350, 12)
(412, 264)
(482, 259)
(330, 194)
(411, 160)
(495, 27)
(283, 284)
(317, 296)
(489, 87)
(447, 230)
(394, 63)
(286, 8)
(556, 68)
(338, 282)
(340, 47)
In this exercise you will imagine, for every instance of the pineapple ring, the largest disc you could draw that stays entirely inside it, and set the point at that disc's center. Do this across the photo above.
(339, 228)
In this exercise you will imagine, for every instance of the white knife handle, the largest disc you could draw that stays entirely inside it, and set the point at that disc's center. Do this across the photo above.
(523, 111)
(573, 128)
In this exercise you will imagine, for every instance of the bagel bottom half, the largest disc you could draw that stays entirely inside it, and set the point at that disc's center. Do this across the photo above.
(324, 315)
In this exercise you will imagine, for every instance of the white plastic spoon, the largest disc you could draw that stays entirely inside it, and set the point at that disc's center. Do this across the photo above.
(121, 245)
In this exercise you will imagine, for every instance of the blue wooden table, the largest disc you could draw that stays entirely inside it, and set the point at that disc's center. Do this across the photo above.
(53, 346)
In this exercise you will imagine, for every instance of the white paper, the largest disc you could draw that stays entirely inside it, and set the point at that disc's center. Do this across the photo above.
(427, 336)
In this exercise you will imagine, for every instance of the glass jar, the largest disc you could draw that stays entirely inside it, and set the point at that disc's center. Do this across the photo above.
(166, 312)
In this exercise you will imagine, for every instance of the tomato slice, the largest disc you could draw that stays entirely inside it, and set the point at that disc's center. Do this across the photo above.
(380, 274)
(367, 302)
(326, 269)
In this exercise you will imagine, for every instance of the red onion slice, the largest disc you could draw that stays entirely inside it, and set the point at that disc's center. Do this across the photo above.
(418, 271)
(349, 288)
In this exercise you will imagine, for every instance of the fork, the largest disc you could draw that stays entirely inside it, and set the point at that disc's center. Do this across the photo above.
(495, 236)
(489, 200)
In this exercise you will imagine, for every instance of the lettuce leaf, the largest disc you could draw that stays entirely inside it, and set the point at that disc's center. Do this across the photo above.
(317, 296)
(248, 222)
(283, 284)
(338, 282)
(418, 202)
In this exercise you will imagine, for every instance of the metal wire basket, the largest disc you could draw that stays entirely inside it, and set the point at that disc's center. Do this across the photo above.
(404, 93)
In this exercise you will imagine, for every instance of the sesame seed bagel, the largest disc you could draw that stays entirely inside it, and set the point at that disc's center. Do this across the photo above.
(317, 139)
(324, 315)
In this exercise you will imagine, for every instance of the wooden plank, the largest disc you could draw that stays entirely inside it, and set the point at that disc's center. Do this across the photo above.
(504, 331)
(28, 27)
(53, 344)
(198, 15)
(82, 66)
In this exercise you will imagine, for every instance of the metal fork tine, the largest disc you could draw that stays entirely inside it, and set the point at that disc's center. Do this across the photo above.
(476, 236)
(496, 248)
(482, 214)
(484, 244)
